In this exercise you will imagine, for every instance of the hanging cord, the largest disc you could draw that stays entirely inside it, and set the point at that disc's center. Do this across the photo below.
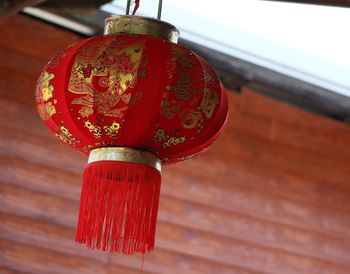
(137, 4)
(159, 15)
(127, 12)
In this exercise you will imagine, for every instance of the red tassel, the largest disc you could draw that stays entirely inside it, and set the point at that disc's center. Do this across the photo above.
(118, 207)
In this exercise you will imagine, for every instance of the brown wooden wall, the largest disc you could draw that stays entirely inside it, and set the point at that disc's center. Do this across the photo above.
(271, 196)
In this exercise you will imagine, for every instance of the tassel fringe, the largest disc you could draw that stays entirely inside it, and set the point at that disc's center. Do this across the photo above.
(118, 207)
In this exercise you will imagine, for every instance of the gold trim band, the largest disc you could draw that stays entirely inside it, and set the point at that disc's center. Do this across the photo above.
(141, 25)
(125, 154)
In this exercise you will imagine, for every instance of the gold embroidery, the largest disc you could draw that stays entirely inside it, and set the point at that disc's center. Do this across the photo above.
(190, 118)
(160, 136)
(96, 130)
(88, 148)
(168, 110)
(46, 110)
(66, 136)
(183, 88)
(185, 158)
(46, 88)
(124, 79)
(173, 141)
(178, 58)
(165, 160)
(86, 111)
(112, 130)
(114, 60)
(181, 58)
(209, 102)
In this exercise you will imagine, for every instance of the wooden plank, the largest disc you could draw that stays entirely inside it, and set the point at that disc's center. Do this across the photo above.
(304, 137)
(23, 118)
(21, 257)
(41, 233)
(15, 66)
(18, 79)
(178, 211)
(198, 244)
(4, 270)
(257, 180)
(42, 150)
(281, 158)
(39, 178)
(257, 203)
(50, 236)
(174, 210)
(40, 40)
(236, 228)
(294, 126)
(290, 213)
(260, 105)
(239, 246)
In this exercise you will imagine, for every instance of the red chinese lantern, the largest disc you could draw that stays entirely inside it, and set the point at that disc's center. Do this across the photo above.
(132, 100)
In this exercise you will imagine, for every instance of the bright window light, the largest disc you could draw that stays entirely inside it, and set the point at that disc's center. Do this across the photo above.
(308, 42)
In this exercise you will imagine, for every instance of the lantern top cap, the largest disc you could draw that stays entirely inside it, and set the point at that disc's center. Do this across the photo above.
(141, 25)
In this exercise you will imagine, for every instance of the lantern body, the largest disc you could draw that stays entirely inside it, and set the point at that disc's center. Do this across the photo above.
(142, 97)
(132, 91)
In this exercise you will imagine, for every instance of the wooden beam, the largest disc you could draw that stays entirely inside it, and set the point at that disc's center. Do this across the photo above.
(338, 3)
(11, 7)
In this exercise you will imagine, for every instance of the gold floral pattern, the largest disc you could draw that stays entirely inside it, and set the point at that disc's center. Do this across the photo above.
(43, 94)
(190, 118)
(181, 58)
(95, 130)
(112, 130)
(116, 67)
(46, 88)
(160, 136)
(183, 89)
(173, 141)
(66, 136)
(209, 103)
(46, 110)
(169, 110)
(86, 111)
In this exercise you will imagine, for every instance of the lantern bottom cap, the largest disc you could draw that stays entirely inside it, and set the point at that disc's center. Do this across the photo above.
(125, 154)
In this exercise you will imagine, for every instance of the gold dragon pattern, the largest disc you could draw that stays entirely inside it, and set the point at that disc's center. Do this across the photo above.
(117, 67)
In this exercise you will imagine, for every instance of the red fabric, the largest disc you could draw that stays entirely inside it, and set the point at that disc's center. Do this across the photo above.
(136, 91)
(118, 207)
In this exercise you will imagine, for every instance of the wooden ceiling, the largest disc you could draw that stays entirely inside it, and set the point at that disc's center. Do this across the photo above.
(271, 196)
(340, 3)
